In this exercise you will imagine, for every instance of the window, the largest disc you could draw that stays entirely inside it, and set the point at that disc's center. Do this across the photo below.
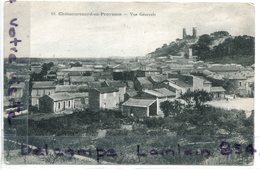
(69, 103)
(240, 83)
(37, 92)
(58, 105)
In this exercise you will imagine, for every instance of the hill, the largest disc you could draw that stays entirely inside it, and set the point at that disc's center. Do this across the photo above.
(218, 47)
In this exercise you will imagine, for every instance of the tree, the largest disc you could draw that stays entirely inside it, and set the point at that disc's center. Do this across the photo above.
(220, 34)
(196, 98)
(164, 45)
(187, 97)
(171, 108)
(202, 47)
(76, 64)
(167, 108)
(200, 97)
(46, 67)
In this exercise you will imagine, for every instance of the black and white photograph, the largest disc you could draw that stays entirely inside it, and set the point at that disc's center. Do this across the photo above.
(128, 83)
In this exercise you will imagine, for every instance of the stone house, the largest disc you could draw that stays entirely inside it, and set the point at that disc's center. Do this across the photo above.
(73, 71)
(66, 88)
(80, 99)
(130, 93)
(178, 86)
(218, 92)
(147, 72)
(104, 98)
(140, 107)
(201, 83)
(121, 86)
(157, 80)
(78, 80)
(238, 83)
(39, 89)
(160, 95)
(56, 103)
(142, 83)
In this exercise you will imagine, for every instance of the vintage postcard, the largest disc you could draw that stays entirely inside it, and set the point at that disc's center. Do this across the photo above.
(133, 83)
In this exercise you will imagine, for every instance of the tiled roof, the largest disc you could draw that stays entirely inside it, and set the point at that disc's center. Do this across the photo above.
(120, 67)
(82, 79)
(79, 95)
(234, 76)
(248, 73)
(113, 83)
(207, 72)
(131, 93)
(106, 89)
(160, 92)
(217, 89)
(60, 96)
(74, 74)
(143, 80)
(94, 84)
(180, 83)
(99, 67)
(139, 102)
(158, 78)
(216, 76)
(225, 67)
(66, 88)
(76, 69)
(44, 84)
(202, 78)
(165, 92)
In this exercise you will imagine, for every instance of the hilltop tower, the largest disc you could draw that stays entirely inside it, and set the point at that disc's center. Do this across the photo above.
(184, 34)
(194, 32)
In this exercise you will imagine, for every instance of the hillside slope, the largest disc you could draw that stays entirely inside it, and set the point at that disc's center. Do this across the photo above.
(218, 47)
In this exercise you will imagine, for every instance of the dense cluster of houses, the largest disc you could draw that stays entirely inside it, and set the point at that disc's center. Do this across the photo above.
(136, 87)
(134, 91)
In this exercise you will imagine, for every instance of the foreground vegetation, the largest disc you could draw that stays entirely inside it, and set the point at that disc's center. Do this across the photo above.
(190, 133)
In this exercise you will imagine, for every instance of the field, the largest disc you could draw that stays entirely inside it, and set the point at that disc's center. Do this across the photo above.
(246, 104)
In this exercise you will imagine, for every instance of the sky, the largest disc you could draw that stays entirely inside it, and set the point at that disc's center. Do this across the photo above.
(105, 36)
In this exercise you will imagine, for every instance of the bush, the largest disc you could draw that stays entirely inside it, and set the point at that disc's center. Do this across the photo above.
(154, 122)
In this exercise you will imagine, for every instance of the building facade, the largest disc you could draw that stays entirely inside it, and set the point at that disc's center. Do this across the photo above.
(140, 108)
(104, 98)
(39, 89)
(200, 83)
(160, 95)
(56, 103)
